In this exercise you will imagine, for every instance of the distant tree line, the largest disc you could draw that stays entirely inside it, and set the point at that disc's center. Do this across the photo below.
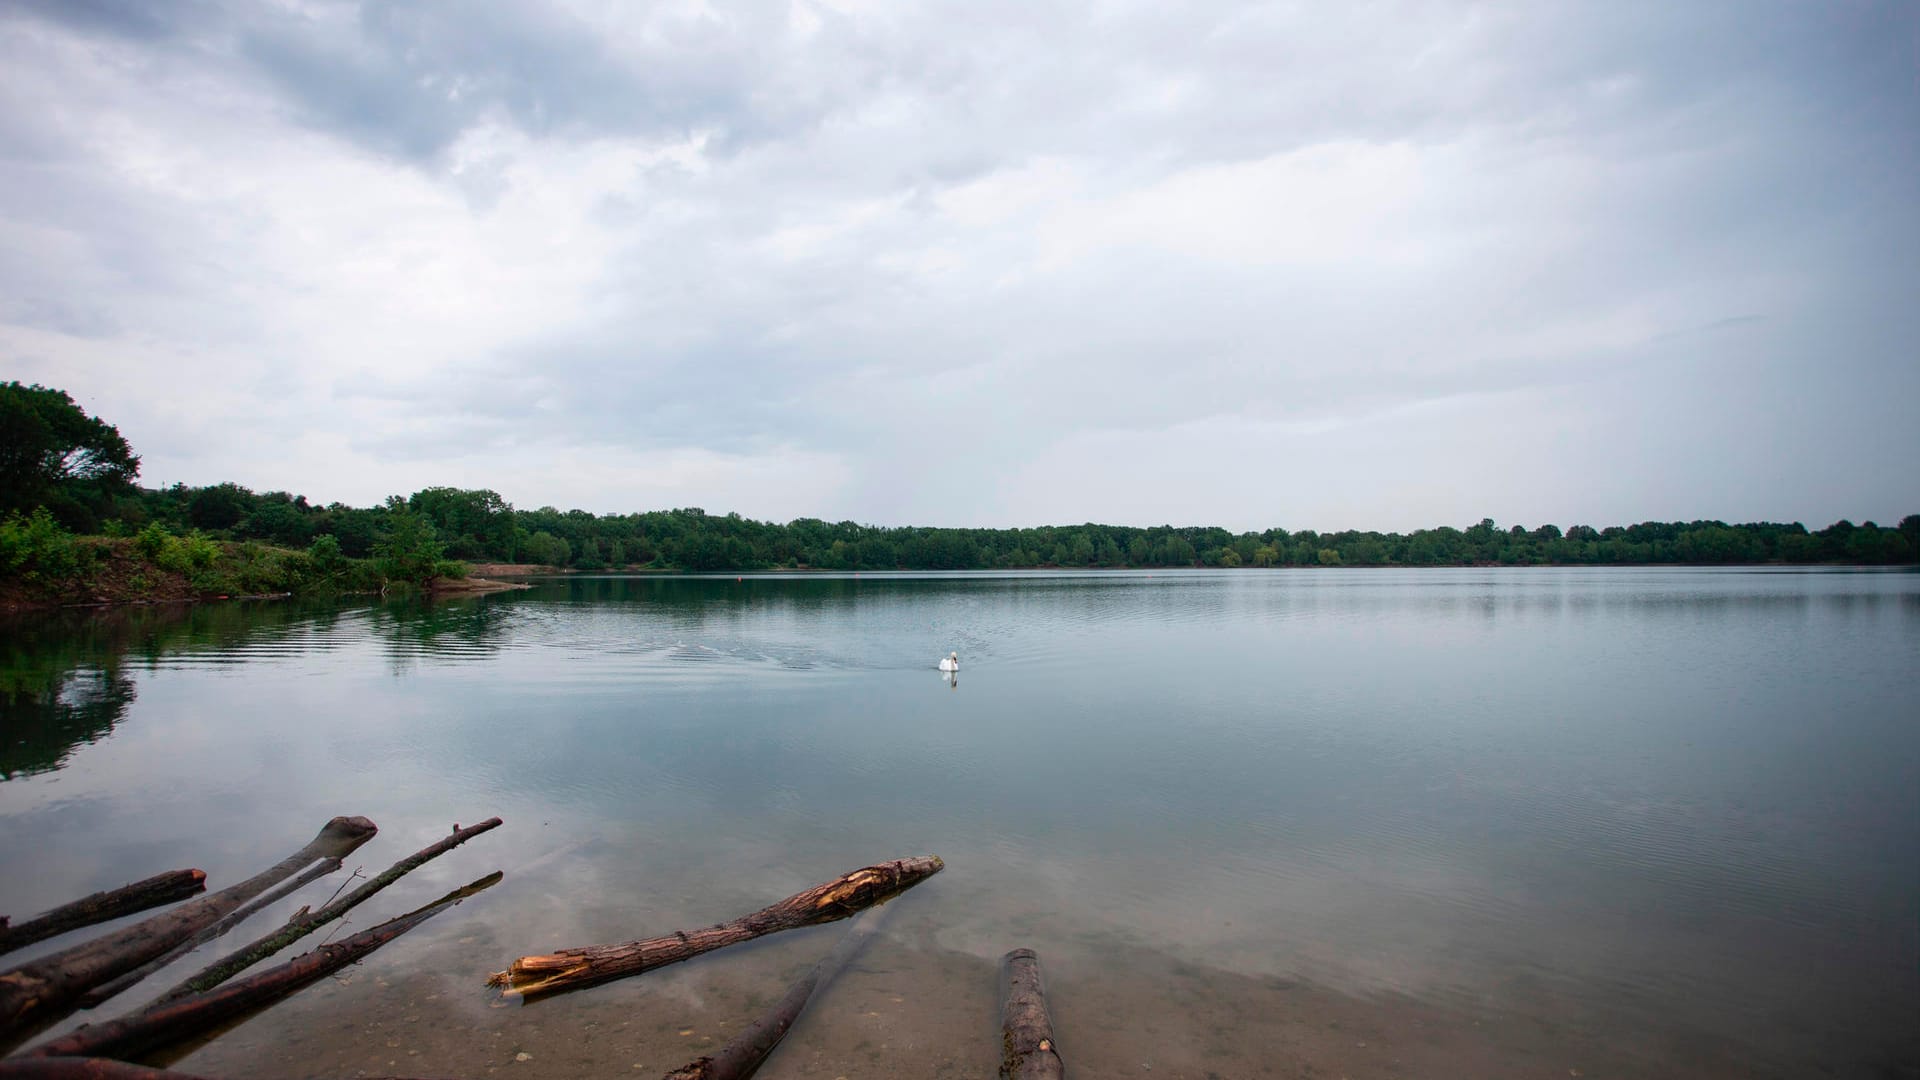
(479, 525)
(79, 469)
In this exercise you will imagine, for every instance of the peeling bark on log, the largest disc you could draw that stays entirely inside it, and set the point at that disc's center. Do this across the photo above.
(1027, 1049)
(107, 990)
(102, 906)
(165, 1024)
(42, 991)
(242, 959)
(574, 969)
(745, 1052)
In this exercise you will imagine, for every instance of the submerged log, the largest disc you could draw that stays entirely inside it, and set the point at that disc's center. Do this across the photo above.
(100, 994)
(77, 1068)
(302, 925)
(744, 1053)
(167, 1023)
(39, 992)
(102, 906)
(574, 969)
(1027, 1049)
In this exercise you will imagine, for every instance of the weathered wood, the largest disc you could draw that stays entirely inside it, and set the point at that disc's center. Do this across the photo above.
(300, 926)
(849, 894)
(46, 989)
(107, 990)
(167, 1023)
(1027, 1049)
(77, 1068)
(72, 1068)
(102, 906)
(743, 1054)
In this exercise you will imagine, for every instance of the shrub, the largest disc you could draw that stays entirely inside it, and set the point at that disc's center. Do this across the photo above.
(325, 553)
(37, 548)
(152, 541)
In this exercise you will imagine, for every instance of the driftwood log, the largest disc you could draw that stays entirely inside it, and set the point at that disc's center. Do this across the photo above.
(167, 1023)
(102, 906)
(306, 923)
(574, 969)
(99, 994)
(1027, 1049)
(744, 1053)
(39, 992)
(76, 1068)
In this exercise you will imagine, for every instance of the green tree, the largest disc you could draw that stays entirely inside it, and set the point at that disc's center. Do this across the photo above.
(53, 454)
(408, 551)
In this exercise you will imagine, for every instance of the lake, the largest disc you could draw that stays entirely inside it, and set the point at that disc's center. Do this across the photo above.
(1527, 822)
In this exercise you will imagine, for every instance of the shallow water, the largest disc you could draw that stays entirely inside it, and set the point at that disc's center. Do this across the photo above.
(1665, 821)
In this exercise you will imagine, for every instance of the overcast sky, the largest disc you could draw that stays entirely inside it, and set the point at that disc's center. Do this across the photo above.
(1326, 265)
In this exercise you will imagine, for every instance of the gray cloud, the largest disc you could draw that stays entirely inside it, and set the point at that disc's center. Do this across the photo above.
(1242, 263)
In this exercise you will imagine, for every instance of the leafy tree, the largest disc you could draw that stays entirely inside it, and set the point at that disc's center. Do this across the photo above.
(53, 454)
(220, 506)
(409, 550)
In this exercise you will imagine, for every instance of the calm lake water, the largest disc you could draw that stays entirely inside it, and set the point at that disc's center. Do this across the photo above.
(1661, 821)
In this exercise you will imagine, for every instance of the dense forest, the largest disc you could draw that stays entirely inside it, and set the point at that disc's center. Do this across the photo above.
(481, 526)
(67, 471)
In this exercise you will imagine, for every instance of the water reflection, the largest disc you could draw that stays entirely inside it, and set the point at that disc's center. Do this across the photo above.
(1682, 796)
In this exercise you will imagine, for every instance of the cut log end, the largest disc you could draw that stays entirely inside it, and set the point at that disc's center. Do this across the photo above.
(693, 1070)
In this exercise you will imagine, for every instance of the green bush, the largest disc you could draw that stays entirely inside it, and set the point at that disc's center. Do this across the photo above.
(152, 541)
(450, 568)
(36, 548)
(325, 553)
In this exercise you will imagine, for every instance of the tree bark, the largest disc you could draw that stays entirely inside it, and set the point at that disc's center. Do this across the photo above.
(39, 992)
(222, 970)
(1027, 1049)
(167, 1023)
(75, 1068)
(745, 1052)
(102, 906)
(574, 969)
(107, 990)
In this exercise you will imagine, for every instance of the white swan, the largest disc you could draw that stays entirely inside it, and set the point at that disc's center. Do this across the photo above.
(950, 662)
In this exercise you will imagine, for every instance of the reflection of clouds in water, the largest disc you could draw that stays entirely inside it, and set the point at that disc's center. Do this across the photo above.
(1353, 776)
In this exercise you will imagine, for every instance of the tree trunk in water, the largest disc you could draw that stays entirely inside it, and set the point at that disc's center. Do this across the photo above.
(1027, 1049)
(107, 990)
(102, 906)
(74, 1068)
(573, 969)
(744, 1053)
(37, 993)
(222, 970)
(165, 1024)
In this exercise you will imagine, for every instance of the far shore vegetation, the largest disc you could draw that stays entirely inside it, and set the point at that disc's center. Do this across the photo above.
(75, 527)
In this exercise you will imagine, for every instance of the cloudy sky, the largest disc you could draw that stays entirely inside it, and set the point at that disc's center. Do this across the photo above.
(1321, 265)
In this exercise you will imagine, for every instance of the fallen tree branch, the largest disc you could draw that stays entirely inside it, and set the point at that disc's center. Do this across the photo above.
(77, 1068)
(102, 906)
(39, 992)
(573, 969)
(745, 1052)
(1027, 1049)
(242, 959)
(99, 994)
(167, 1023)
